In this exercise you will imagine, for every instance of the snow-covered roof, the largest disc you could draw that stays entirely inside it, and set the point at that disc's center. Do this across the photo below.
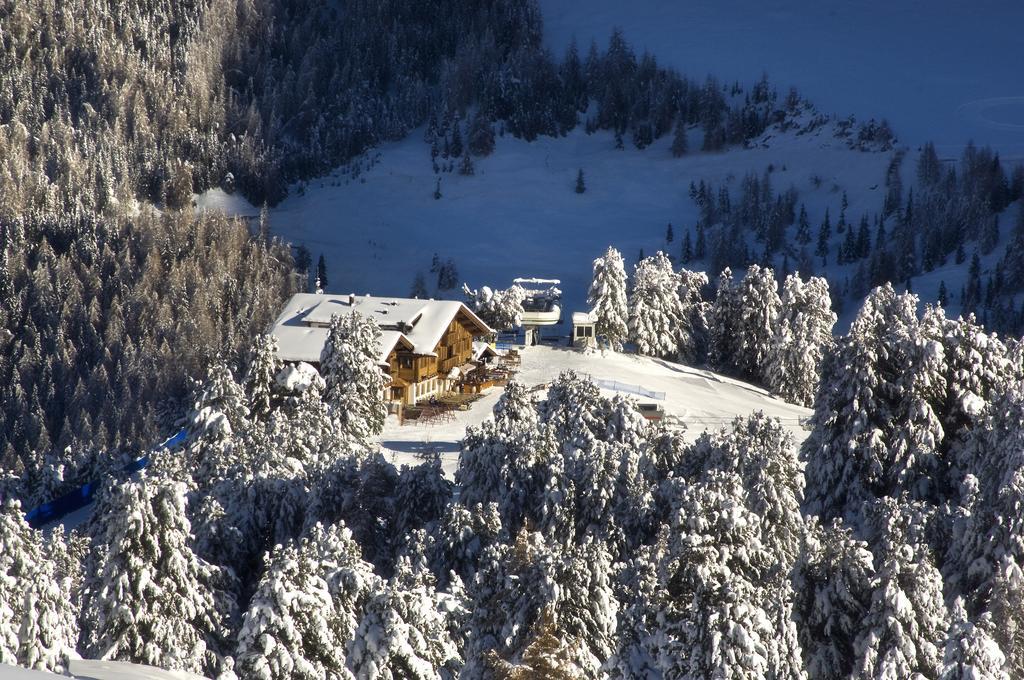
(482, 349)
(418, 325)
(581, 318)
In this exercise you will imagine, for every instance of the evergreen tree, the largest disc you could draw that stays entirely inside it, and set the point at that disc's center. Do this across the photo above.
(679, 143)
(803, 232)
(607, 298)
(480, 136)
(758, 308)
(693, 329)
(833, 582)
(723, 323)
(419, 287)
(863, 248)
(655, 311)
(907, 619)
(261, 374)
(824, 234)
(970, 651)
(403, 634)
(580, 185)
(151, 599)
(686, 254)
(354, 380)
(306, 607)
(38, 629)
(803, 335)
(321, 272)
(874, 430)
(713, 621)
(700, 248)
(499, 309)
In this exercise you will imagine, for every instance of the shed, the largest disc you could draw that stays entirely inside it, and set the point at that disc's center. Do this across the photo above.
(583, 329)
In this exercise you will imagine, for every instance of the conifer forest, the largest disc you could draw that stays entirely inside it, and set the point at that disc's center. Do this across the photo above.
(246, 515)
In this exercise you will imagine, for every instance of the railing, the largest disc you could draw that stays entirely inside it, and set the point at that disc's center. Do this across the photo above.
(617, 386)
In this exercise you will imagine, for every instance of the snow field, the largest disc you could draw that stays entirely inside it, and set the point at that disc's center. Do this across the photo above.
(700, 399)
(519, 215)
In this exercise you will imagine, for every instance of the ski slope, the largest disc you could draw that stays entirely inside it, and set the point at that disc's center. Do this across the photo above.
(520, 216)
(938, 70)
(700, 399)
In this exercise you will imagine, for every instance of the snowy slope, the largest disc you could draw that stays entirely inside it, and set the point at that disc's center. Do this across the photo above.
(939, 70)
(701, 399)
(519, 216)
(89, 669)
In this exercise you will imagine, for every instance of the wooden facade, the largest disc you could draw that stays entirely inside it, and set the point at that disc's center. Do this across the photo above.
(421, 342)
(415, 377)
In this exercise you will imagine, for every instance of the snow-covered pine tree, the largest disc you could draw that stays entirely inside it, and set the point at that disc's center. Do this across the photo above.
(713, 622)
(37, 620)
(354, 380)
(978, 370)
(723, 323)
(1006, 608)
(152, 600)
(306, 608)
(901, 633)
(758, 307)
(462, 535)
(499, 309)
(860, 404)
(832, 580)
(762, 452)
(548, 655)
(638, 591)
(49, 627)
(586, 609)
(513, 586)
(421, 496)
(219, 408)
(971, 654)
(693, 341)
(261, 374)
(403, 633)
(655, 311)
(500, 460)
(803, 335)
(607, 298)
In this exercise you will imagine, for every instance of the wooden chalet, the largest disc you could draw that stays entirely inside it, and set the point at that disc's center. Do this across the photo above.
(426, 346)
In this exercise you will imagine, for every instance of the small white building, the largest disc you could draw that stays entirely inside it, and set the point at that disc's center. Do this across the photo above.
(583, 329)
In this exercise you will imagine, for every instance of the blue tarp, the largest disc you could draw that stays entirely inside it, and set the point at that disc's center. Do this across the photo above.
(61, 506)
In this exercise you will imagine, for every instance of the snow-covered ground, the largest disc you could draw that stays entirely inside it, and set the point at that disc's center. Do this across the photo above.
(702, 400)
(88, 669)
(940, 70)
(519, 215)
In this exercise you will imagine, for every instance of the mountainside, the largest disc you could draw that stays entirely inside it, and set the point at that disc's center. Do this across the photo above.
(824, 308)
